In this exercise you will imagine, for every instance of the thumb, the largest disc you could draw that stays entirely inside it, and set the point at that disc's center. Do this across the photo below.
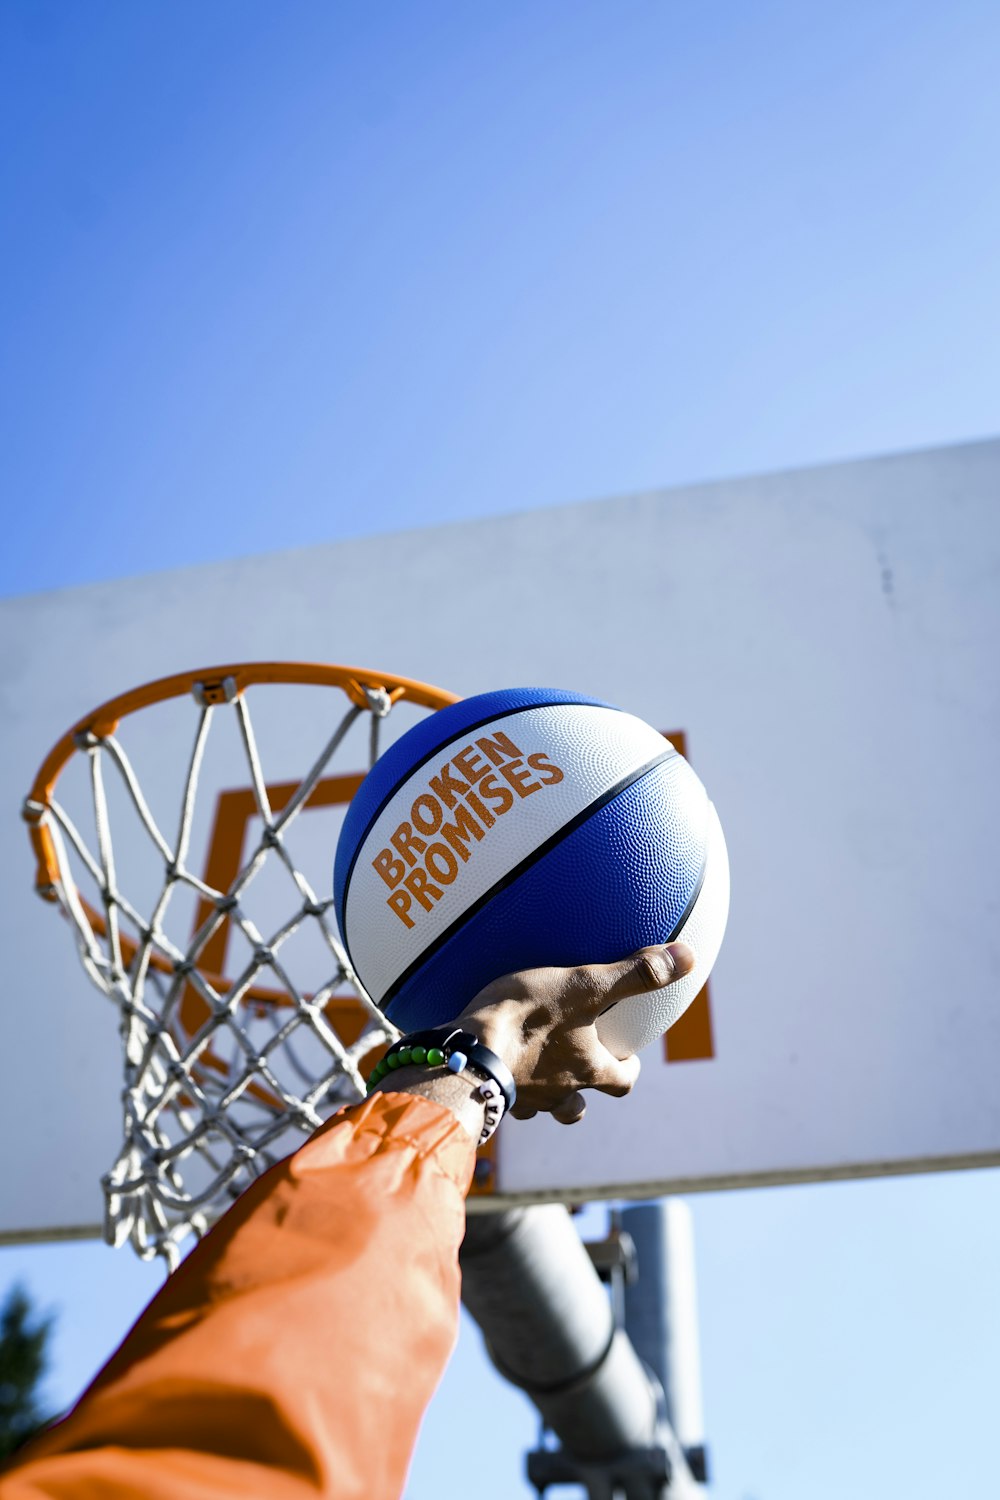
(649, 969)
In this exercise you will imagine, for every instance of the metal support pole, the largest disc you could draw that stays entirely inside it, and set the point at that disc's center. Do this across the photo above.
(661, 1316)
(549, 1328)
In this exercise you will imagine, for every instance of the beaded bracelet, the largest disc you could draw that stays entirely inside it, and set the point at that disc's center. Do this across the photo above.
(460, 1052)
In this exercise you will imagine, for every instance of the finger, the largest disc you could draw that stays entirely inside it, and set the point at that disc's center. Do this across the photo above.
(596, 986)
(618, 1077)
(569, 1110)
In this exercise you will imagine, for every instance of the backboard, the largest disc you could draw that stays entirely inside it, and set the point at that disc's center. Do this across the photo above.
(824, 641)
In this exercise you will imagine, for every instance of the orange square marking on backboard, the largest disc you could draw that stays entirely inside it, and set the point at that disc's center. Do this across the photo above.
(689, 1039)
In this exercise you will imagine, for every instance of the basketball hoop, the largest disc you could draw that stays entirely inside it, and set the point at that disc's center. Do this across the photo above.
(223, 1072)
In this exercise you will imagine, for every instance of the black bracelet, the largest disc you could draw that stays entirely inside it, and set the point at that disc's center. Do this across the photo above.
(456, 1050)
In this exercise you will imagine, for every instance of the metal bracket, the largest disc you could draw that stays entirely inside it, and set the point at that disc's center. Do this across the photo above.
(638, 1474)
(614, 1254)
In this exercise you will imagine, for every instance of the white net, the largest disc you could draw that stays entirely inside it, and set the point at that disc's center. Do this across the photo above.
(223, 1075)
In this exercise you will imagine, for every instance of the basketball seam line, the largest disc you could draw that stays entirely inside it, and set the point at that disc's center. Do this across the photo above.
(432, 755)
(530, 859)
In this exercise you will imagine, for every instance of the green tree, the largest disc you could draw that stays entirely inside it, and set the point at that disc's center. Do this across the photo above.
(24, 1338)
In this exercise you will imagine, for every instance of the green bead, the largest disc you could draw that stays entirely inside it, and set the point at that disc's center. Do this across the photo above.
(404, 1056)
(381, 1068)
(419, 1054)
(435, 1057)
(392, 1061)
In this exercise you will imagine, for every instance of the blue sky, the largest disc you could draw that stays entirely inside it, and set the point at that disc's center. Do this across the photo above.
(280, 275)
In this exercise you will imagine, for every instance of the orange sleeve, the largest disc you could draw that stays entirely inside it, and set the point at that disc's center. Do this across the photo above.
(294, 1351)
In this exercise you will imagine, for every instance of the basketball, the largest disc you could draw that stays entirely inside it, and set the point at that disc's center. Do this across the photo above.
(520, 829)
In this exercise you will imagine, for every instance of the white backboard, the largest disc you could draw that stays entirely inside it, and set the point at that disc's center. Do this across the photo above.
(827, 642)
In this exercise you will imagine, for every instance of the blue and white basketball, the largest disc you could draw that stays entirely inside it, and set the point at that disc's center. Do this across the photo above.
(520, 829)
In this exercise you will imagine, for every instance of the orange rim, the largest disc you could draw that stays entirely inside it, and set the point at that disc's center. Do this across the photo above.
(211, 681)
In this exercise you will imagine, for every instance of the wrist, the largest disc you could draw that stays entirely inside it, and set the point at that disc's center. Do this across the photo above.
(497, 1027)
(456, 1091)
(461, 1053)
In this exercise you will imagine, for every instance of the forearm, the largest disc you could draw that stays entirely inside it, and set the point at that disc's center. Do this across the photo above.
(267, 1363)
(294, 1352)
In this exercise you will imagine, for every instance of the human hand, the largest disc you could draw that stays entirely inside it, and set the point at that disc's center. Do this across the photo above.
(541, 1022)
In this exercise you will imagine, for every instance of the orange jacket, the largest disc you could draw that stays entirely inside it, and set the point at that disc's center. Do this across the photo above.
(294, 1351)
